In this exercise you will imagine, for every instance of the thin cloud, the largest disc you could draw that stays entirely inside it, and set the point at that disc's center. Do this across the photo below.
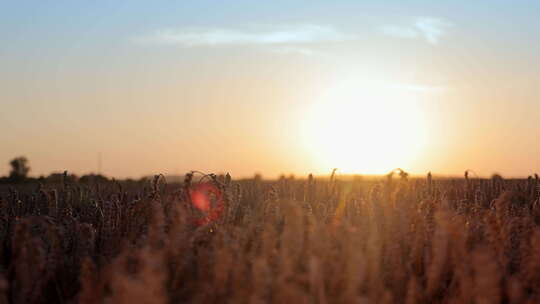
(430, 29)
(211, 37)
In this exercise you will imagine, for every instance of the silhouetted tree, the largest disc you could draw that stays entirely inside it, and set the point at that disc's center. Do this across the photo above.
(19, 169)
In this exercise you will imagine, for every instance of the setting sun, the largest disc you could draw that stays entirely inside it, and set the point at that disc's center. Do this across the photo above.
(369, 129)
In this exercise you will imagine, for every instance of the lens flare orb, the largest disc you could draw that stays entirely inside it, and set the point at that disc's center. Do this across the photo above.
(208, 199)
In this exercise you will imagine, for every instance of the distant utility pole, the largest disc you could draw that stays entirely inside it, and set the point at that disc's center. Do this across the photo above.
(99, 163)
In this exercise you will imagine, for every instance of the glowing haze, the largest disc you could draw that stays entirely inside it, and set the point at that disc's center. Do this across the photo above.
(271, 87)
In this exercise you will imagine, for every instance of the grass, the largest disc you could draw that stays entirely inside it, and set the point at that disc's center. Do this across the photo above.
(392, 240)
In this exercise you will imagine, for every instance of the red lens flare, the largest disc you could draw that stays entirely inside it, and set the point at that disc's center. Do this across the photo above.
(207, 198)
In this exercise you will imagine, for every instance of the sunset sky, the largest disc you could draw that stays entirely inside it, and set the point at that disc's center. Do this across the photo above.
(271, 86)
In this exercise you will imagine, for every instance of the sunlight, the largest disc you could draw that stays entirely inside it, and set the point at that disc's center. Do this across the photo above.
(366, 129)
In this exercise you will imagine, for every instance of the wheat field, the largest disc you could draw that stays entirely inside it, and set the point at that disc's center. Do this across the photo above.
(317, 240)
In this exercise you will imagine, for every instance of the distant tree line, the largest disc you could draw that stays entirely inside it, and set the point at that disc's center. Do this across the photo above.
(20, 169)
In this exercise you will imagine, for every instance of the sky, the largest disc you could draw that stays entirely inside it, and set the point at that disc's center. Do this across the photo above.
(270, 86)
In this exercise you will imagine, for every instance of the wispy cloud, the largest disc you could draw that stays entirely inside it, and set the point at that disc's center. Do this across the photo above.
(280, 35)
(432, 28)
(428, 28)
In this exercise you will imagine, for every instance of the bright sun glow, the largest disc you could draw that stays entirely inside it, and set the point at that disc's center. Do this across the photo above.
(366, 129)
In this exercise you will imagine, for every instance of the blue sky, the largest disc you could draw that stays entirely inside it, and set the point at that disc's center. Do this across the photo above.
(148, 71)
(66, 22)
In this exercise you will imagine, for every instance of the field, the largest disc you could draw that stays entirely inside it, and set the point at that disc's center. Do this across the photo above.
(214, 239)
